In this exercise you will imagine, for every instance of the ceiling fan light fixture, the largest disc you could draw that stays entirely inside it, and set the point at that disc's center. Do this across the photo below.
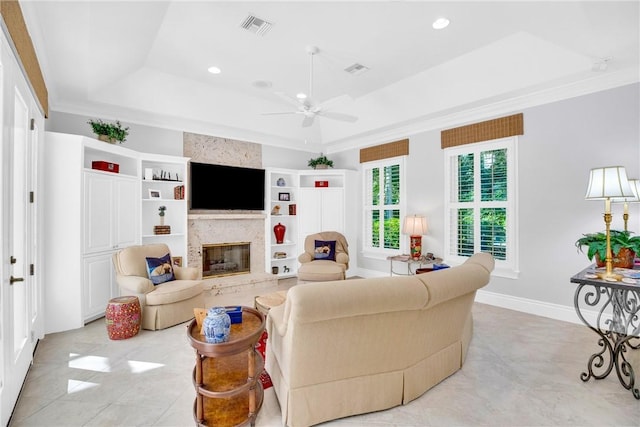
(301, 95)
(440, 23)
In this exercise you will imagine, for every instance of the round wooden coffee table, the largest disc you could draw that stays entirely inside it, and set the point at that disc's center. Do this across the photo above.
(226, 375)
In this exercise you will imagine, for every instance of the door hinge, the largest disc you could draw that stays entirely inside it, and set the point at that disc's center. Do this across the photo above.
(33, 124)
(32, 269)
(33, 336)
(31, 196)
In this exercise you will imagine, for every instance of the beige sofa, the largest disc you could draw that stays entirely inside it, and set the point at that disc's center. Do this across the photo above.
(163, 305)
(342, 348)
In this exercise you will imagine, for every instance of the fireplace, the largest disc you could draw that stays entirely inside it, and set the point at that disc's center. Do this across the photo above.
(226, 259)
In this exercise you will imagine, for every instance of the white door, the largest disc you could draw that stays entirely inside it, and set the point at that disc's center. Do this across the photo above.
(20, 294)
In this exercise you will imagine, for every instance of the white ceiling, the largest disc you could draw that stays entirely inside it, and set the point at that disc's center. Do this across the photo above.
(146, 62)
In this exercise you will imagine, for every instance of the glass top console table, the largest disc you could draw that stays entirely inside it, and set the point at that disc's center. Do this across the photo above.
(617, 323)
(409, 262)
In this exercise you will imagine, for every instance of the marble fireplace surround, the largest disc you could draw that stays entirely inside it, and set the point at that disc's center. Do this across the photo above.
(227, 227)
(230, 228)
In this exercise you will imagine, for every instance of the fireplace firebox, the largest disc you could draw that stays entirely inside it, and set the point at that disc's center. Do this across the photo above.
(226, 259)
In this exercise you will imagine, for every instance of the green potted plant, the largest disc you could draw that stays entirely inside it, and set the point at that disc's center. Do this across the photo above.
(624, 247)
(320, 162)
(109, 132)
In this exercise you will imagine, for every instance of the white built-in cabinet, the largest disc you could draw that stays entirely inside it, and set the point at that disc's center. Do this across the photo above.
(318, 208)
(90, 214)
(281, 258)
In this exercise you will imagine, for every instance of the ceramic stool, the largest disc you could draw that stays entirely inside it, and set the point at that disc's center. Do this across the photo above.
(263, 303)
(123, 317)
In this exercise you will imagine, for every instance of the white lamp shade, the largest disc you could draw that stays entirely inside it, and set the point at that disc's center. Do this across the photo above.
(415, 225)
(608, 183)
(635, 188)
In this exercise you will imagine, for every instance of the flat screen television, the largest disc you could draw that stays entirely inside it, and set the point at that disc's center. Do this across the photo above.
(221, 187)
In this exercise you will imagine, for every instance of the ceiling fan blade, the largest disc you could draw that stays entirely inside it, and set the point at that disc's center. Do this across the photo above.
(308, 120)
(337, 116)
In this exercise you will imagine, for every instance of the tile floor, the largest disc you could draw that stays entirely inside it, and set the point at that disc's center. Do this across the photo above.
(522, 370)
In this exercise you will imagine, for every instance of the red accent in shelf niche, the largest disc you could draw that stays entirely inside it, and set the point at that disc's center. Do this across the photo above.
(105, 166)
(322, 183)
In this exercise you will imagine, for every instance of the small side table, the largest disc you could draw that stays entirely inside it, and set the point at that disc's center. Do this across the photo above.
(122, 317)
(619, 335)
(409, 261)
(226, 375)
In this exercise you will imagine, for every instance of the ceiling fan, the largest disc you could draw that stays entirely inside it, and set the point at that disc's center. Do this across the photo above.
(307, 107)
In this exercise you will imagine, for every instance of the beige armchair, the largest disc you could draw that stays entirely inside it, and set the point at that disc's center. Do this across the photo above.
(314, 268)
(165, 304)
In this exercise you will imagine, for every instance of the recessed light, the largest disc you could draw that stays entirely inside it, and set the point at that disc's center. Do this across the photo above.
(214, 70)
(262, 84)
(301, 96)
(440, 23)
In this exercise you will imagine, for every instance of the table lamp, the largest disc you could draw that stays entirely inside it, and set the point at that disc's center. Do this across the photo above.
(635, 188)
(415, 226)
(608, 183)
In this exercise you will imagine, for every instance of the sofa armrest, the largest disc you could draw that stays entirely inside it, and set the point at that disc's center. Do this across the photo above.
(185, 273)
(134, 284)
(276, 320)
(305, 257)
(342, 258)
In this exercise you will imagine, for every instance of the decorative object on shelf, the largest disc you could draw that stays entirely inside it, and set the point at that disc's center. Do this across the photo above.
(624, 247)
(286, 269)
(279, 231)
(178, 192)
(216, 325)
(161, 211)
(155, 194)
(161, 229)
(177, 261)
(635, 188)
(285, 197)
(320, 162)
(148, 174)
(605, 184)
(415, 226)
(275, 210)
(274, 269)
(292, 209)
(109, 132)
(280, 255)
(166, 176)
(105, 166)
(281, 182)
(322, 183)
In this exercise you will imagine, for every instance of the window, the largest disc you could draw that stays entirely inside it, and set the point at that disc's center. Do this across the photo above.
(481, 203)
(383, 205)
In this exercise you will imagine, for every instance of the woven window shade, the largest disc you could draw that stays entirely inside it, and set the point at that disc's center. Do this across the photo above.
(14, 21)
(483, 131)
(385, 151)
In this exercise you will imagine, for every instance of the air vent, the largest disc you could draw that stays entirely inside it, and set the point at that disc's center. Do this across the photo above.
(356, 69)
(256, 25)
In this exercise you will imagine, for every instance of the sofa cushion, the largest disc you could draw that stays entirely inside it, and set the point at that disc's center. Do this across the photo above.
(325, 250)
(160, 269)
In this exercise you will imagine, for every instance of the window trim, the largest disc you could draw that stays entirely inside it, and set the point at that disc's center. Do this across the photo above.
(383, 253)
(508, 268)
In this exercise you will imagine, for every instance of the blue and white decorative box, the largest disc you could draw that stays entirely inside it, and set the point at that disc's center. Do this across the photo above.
(235, 313)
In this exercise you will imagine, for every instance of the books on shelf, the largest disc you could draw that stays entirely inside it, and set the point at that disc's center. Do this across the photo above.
(178, 192)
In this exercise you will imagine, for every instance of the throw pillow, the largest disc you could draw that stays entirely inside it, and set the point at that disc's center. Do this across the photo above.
(325, 249)
(160, 269)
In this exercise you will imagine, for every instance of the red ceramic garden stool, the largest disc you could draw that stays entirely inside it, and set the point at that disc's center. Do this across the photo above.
(123, 317)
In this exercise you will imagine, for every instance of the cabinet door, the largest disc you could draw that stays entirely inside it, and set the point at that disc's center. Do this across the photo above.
(309, 212)
(98, 210)
(98, 285)
(125, 211)
(332, 209)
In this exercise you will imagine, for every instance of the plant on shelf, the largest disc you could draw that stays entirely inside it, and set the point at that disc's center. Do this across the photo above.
(161, 210)
(320, 162)
(624, 247)
(109, 132)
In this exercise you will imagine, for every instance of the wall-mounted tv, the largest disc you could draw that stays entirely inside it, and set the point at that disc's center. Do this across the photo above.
(221, 187)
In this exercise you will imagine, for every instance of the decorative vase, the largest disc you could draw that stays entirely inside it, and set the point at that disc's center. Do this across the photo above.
(216, 325)
(623, 259)
(162, 220)
(321, 166)
(279, 230)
